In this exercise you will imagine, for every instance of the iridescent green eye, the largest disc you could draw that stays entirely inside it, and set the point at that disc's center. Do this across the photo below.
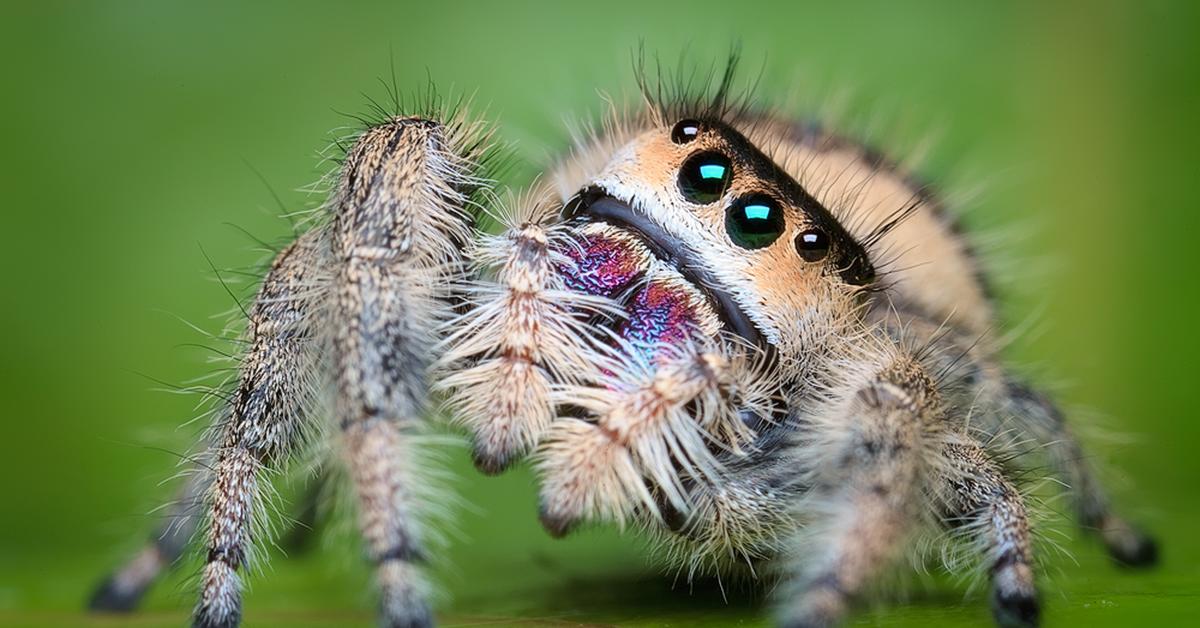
(704, 177)
(754, 221)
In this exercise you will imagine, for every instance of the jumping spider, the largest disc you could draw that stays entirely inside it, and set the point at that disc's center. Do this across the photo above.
(758, 340)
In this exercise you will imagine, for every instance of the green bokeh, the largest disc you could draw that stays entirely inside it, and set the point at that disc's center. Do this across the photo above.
(133, 132)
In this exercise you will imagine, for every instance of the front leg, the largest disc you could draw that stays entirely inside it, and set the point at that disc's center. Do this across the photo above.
(398, 237)
(380, 457)
(865, 492)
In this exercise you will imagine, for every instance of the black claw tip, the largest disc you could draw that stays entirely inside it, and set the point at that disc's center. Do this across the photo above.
(420, 619)
(207, 620)
(109, 598)
(557, 526)
(491, 463)
(1143, 552)
(1016, 610)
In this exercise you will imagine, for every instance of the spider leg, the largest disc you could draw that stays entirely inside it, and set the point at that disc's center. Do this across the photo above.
(124, 588)
(983, 502)
(1039, 418)
(397, 241)
(1018, 422)
(362, 300)
(378, 452)
(263, 423)
(865, 492)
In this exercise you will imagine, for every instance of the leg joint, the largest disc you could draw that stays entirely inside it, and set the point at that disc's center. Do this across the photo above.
(405, 551)
(232, 556)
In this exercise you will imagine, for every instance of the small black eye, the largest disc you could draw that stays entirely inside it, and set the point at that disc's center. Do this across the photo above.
(813, 245)
(704, 177)
(685, 131)
(754, 221)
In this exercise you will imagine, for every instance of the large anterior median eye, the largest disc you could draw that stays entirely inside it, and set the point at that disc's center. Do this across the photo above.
(703, 177)
(754, 221)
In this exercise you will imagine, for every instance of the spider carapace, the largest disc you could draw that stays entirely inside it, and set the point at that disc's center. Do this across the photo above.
(758, 340)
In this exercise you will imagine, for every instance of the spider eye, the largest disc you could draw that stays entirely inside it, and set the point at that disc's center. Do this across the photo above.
(685, 131)
(754, 221)
(704, 177)
(813, 245)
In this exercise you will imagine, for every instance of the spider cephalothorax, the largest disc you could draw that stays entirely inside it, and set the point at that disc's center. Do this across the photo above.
(756, 339)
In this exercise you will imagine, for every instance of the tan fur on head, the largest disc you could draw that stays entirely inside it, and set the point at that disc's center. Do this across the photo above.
(772, 285)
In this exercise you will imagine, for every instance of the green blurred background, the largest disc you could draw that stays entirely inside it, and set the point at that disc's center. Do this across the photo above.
(133, 131)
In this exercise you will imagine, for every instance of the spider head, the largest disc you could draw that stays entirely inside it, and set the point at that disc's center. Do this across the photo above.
(769, 262)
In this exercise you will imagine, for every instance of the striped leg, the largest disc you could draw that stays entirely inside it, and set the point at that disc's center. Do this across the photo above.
(987, 505)
(379, 457)
(398, 238)
(262, 425)
(124, 588)
(1017, 421)
(864, 500)
(1039, 418)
